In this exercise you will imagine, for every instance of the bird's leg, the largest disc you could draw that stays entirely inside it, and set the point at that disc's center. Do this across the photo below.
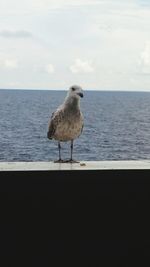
(71, 160)
(59, 148)
(71, 150)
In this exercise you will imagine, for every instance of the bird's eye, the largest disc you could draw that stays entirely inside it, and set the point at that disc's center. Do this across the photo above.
(73, 89)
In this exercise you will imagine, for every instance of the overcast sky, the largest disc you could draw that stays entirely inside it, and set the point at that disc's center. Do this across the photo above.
(52, 44)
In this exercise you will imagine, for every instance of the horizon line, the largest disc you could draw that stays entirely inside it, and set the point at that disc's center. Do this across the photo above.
(88, 89)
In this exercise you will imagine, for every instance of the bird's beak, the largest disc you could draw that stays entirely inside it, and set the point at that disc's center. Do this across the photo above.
(80, 94)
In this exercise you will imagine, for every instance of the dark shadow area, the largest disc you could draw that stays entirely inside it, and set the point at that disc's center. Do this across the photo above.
(75, 218)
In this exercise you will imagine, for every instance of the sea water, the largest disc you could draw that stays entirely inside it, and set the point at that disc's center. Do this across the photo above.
(116, 126)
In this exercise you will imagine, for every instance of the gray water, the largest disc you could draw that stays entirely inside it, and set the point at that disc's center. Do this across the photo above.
(117, 126)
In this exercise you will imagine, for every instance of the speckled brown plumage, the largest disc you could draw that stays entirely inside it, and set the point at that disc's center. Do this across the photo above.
(65, 126)
(66, 122)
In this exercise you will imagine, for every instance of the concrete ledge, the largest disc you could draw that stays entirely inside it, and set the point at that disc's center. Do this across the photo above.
(83, 165)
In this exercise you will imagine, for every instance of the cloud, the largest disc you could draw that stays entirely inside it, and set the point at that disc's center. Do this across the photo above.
(145, 55)
(70, 33)
(15, 34)
(49, 68)
(8, 63)
(16, 7)
(144, 3)
(81, 66)
(14, 84)
(41, 68)
(53, 4)
(144, 61)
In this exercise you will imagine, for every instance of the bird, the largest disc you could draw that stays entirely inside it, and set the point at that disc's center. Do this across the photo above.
(66, 123)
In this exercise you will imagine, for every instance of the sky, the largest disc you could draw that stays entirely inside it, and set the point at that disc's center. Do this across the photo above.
(53, 44)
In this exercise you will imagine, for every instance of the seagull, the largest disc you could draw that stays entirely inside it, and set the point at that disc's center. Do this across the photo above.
(66, 123)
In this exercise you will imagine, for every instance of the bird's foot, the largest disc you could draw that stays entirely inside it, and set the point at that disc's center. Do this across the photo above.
(72, 161)
(59, 161)
(66, 161)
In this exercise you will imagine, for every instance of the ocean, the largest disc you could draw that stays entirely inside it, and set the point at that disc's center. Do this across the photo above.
(116, 126)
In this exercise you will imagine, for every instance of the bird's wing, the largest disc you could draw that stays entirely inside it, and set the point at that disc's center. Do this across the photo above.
(55, 119)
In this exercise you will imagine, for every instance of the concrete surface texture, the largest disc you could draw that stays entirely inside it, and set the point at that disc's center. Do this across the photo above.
(84, 165)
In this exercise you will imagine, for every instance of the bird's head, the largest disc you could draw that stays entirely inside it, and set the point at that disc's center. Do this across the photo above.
(75, 91)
